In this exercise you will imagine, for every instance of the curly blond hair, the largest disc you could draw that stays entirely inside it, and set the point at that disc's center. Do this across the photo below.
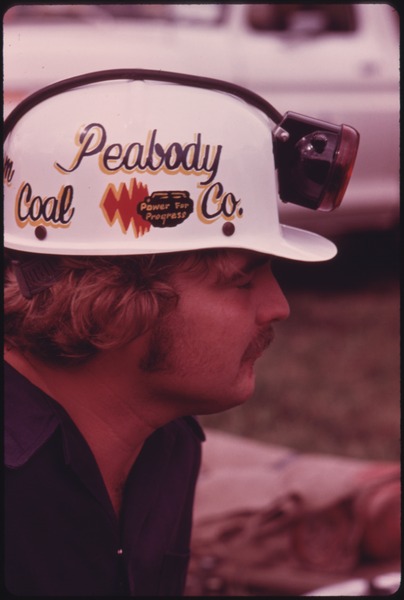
(96, 303)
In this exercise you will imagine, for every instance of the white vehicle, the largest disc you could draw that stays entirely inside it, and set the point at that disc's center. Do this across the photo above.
(339, 63)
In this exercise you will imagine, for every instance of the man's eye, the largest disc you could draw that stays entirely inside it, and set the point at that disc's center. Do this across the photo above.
(244, 284)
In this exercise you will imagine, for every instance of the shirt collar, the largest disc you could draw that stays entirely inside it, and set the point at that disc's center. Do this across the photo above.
(30, 418)
(194, 424)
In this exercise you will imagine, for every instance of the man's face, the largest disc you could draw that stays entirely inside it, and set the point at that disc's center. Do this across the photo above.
(201, 355)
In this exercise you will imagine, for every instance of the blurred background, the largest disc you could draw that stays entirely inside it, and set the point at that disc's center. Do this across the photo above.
(331, 381)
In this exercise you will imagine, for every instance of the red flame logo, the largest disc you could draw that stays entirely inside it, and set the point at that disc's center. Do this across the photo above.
(121, 205)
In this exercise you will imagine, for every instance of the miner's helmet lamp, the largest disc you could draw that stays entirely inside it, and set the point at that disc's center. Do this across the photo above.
(132, 161)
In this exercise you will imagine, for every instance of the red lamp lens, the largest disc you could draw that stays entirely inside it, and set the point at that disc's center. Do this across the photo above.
(341, 169)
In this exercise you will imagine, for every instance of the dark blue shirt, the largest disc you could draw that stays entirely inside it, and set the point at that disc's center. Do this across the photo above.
(62, 536)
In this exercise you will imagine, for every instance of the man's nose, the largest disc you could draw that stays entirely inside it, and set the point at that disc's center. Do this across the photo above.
(274, 305)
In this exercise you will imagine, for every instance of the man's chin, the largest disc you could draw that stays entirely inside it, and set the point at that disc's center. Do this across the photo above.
(229, 401)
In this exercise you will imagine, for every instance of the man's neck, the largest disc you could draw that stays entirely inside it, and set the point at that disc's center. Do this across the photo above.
(109, 412)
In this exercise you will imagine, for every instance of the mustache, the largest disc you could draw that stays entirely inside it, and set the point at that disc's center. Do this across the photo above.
(263, 339)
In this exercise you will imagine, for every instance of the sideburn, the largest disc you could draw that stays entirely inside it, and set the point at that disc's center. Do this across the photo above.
(156, 358)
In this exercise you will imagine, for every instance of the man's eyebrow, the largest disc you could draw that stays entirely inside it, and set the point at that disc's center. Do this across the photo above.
(255, 263)
(247, 268)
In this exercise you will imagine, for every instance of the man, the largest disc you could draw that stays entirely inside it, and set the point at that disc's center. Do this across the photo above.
(139, 226)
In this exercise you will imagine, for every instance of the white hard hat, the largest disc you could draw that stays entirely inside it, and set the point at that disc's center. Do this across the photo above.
(137, 162)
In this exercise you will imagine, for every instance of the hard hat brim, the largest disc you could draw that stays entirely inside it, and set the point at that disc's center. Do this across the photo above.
(299, 244)
(292, 243)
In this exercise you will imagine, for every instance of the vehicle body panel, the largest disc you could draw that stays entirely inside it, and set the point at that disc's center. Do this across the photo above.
(347, 77)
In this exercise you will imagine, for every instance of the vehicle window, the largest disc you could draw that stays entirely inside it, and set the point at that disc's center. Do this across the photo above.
(302, 18)
(189, 13)
(192, 13)
(51, 13)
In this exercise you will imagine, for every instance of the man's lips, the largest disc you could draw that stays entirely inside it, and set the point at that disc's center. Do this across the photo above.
(264, 338)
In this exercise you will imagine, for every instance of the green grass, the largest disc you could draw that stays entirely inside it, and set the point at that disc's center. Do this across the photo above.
(330, 383)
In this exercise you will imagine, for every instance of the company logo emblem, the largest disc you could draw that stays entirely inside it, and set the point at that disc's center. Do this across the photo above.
(135, 207)
(131, 204)
(121, 205)
(166, 209)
